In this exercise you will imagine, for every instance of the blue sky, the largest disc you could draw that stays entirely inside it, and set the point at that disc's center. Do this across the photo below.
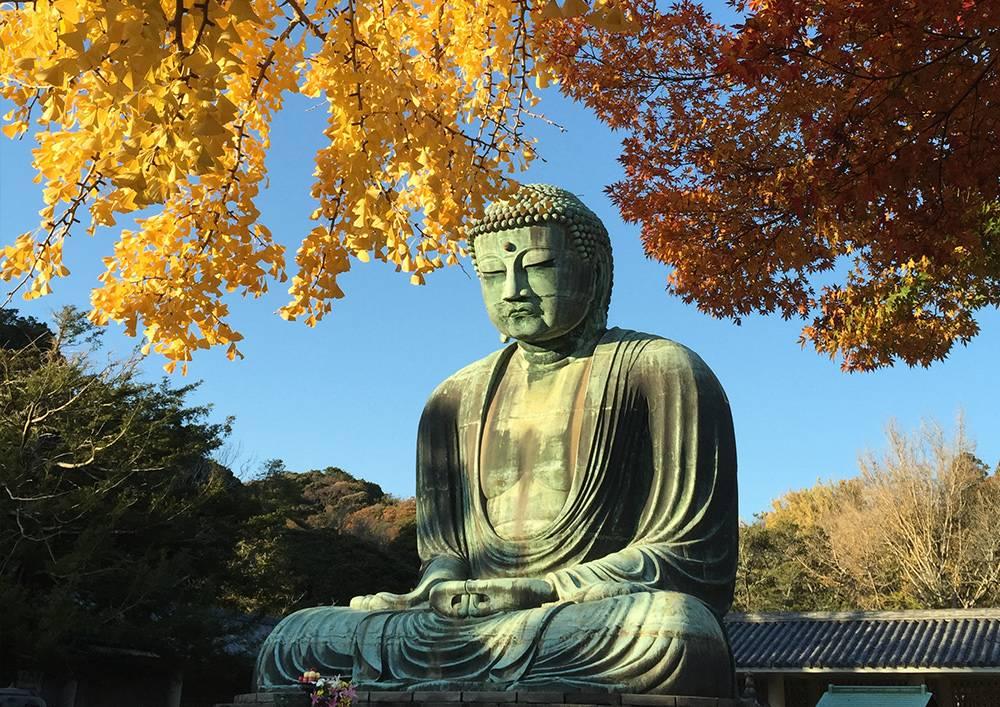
(349, 392)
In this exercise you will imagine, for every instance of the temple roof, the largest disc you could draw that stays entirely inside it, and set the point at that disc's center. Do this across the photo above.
(949, 639)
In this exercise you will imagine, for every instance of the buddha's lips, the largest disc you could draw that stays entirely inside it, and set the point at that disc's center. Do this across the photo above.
(519, 312)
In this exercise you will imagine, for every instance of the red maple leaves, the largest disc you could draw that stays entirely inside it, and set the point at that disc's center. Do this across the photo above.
(837, 161)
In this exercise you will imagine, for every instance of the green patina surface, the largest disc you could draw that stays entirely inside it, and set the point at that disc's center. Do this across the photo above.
(576, 497)
(876, 696)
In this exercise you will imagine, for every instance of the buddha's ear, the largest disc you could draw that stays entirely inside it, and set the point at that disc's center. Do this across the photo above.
(600, 276)
(602, 269)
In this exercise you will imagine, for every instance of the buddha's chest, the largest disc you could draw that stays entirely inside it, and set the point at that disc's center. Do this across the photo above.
(529, 447)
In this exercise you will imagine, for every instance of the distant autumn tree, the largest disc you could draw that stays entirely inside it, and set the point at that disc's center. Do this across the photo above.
(833, 161)
(916, 529)
(784, 555)
(167, 105)
(926, 520)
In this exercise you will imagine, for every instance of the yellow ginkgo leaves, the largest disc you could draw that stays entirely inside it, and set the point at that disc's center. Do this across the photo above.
(605, 15)
(168, 104)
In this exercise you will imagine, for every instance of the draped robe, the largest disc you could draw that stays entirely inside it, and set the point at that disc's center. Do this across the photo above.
(651, 510)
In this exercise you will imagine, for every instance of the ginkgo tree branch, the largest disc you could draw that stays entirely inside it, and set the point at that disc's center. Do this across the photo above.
(59, 229)
(241, 133)
(178, 23)
(516, 55)
(305, 19)
(202, 26)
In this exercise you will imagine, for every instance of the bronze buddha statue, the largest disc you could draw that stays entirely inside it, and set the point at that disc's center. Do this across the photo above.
(576, 498)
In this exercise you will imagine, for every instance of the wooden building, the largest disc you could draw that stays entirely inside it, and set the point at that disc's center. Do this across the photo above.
(793, 657)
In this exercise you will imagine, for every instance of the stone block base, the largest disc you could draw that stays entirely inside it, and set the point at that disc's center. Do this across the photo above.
(492, 699)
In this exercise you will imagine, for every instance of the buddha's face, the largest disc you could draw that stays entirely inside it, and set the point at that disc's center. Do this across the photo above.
(536, 286)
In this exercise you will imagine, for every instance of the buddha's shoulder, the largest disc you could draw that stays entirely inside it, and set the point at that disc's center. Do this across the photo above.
(466, 378)
(658, 354)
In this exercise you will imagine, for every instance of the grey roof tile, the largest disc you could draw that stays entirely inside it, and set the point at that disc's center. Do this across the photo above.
(959, 638)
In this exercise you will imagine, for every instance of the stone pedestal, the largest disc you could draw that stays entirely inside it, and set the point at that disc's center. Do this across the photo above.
(492, 699)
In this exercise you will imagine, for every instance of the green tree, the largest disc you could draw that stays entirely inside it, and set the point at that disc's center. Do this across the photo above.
(772, 576)
(118, 529)
(114, 516)
(17, 332)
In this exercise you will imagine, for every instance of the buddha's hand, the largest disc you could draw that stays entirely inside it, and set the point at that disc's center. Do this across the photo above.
(389, 601)
(483, 597)
(606, 590)
(439, 569)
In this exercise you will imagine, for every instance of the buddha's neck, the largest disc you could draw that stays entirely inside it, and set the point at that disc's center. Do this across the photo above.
(579, 342)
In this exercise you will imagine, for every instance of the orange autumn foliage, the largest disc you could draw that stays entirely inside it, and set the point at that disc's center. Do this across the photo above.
(837, 162)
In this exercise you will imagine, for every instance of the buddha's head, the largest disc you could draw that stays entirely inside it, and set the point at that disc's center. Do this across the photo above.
(544, 264)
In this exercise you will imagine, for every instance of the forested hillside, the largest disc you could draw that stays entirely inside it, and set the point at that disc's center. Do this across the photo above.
(320, 537)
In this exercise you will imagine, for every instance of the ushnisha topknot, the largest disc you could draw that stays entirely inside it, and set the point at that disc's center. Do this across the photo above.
(539, 204)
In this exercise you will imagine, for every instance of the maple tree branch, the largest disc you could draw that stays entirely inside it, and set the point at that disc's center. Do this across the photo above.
(867, 76)
(942, 117)
(940, 35)
(589, 54)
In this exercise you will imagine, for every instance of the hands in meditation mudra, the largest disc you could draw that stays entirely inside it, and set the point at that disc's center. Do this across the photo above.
(576, 498)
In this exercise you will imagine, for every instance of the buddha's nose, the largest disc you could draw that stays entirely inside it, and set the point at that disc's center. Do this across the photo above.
(515, 286)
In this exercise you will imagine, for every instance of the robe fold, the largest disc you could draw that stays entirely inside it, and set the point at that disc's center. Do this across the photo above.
(652, 507)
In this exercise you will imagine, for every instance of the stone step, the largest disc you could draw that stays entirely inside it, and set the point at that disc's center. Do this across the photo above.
(385, 698)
